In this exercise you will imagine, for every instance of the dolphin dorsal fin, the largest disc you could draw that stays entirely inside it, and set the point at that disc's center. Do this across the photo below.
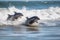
(9, 15)
(27, 18)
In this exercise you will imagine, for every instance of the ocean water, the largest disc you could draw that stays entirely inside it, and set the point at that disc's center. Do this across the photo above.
(30, 4)
(48, 27)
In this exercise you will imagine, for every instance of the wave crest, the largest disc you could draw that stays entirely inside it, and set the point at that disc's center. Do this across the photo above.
(51, 13)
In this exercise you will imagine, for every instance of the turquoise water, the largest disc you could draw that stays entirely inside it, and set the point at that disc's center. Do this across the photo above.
(30, 4)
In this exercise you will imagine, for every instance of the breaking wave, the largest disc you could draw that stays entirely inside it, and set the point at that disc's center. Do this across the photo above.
(52, 13)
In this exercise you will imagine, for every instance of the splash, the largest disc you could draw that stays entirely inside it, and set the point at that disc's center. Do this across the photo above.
(52, 13)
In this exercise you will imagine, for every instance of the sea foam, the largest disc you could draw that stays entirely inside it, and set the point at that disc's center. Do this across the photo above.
(52, 13)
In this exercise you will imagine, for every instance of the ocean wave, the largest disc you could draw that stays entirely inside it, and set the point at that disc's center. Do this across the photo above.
(52, 13)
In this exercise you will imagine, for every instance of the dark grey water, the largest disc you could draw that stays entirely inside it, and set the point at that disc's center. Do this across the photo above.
(22, 32)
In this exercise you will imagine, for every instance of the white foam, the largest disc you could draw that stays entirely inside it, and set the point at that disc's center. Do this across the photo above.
(51, 13)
